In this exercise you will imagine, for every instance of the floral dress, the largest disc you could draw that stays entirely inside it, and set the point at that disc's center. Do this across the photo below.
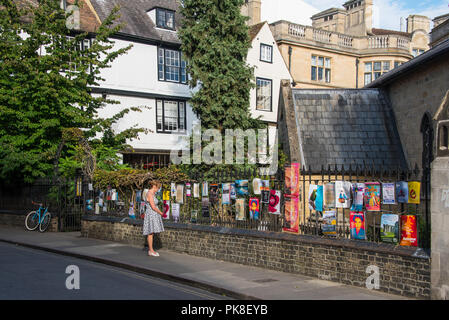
(152, 222)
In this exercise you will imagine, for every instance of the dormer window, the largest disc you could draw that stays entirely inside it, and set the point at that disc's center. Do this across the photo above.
(165, 19)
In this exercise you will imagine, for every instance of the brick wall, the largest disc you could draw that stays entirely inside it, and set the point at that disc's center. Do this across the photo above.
(338, 260)
(17, 219)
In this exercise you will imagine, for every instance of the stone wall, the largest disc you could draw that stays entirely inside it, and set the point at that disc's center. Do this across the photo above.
(338, 260)
(440, 227)
(17, 219)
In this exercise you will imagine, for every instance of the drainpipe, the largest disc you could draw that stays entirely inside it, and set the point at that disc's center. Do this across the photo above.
(289, 58)
(357, 61)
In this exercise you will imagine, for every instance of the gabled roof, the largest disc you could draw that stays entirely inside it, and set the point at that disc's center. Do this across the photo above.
(133, 13)
(255, 29)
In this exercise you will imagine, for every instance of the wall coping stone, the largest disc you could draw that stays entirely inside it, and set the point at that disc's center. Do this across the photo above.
(15, 212)
(384, 248)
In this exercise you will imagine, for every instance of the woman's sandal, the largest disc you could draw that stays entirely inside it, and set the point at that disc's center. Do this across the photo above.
(153, 254)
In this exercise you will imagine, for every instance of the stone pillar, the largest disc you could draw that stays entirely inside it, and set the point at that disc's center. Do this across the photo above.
(440, 229)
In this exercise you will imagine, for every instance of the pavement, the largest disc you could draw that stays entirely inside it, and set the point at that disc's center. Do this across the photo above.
(219, 277)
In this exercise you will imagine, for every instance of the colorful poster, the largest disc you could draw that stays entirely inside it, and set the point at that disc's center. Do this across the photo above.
(175, 209)
(225, 193)
(292, 179)
(329, 195)
(240, 209)
(343, 194)
(254, 208)
(173, 189)
(389, 228)
(196, 190)
(358, 194)
(414, 189)
(265, 191)
(188, 189)
(274, 203)
(205, 207)
(166, 211)
(180, 193)
(241, 187)
(357, 225)
(409, 234)
(166, 195)
(402, 192)
(257, 185)
(213, 192)
(316, 197)
(372, 196)
(194, 216)
(291, 212)
(388, 193)
(138, 196)
(330, 223)
(233, 192)
(205, 189)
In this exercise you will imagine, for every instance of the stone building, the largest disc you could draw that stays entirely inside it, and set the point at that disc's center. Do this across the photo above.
(440, 31)
(341, 49)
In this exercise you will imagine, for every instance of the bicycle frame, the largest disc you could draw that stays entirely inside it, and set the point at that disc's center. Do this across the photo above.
(38, 213)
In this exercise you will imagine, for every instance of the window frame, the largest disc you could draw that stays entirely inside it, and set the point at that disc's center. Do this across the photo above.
(375, 73)
(178, 102)
(271, 94)
(165, 11)
(320, 68)
(164, 66)
(271, 56)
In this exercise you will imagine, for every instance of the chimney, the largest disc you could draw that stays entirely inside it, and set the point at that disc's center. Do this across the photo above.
(416, 22)
(252, 9)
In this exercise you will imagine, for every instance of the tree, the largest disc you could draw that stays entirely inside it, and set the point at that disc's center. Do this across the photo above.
(45, 82)
(215, 42)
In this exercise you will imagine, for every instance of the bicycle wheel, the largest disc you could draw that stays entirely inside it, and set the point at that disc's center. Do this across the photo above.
(32, 221)
(45, 222)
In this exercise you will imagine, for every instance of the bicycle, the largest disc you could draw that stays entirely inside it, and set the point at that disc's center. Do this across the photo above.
(40, 218)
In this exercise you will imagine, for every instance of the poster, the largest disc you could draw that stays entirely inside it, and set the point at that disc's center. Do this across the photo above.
(329, 195)
(257, 186)
(292, 179)
(358, 194)
(241, 187)
(166, 195)
(254, 208)
(196, 190)
(188, 189)
(388, 193)
(389, 228)
(233, 192)
(213, 192)
(343, 194)
(414, 189)
(173, 189)
(240, 209)
(316, 197)
(205, 207)
(194, 216)
(409, 235)
(131, 213)
(330, 223)
(175, 209)
(138, 196)
(225, 193)
(291, 212)
(402, 191)
(357, 225)
(204, 189)
(166, 209)
(265, 191)
(180, 193)
(274, 203)
(372, 196)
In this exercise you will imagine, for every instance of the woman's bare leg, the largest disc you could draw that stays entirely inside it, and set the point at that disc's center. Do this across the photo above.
(150, 243)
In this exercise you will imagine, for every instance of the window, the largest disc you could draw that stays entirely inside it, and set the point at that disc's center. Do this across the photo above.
(263, 94)
(374, 69)
(171, 66)
(165, 19)
(266, 53)
(80, 46)
(397, 64)
(417, 52)
(321, 69)
(170, 116)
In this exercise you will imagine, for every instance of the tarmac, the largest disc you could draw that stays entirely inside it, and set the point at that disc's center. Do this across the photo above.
(225, 278)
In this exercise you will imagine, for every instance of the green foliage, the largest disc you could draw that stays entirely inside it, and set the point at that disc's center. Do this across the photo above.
(41, 93)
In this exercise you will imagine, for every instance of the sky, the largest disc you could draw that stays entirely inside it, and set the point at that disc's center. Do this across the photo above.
(386, 13)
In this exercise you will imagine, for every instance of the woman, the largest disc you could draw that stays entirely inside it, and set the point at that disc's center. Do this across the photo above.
(152, 222)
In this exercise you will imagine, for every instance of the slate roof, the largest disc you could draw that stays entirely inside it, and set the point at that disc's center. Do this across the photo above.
(137, 22)
(254, 30)
(346, 127)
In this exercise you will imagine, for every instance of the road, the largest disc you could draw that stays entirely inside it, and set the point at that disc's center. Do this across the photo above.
(32, 274)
